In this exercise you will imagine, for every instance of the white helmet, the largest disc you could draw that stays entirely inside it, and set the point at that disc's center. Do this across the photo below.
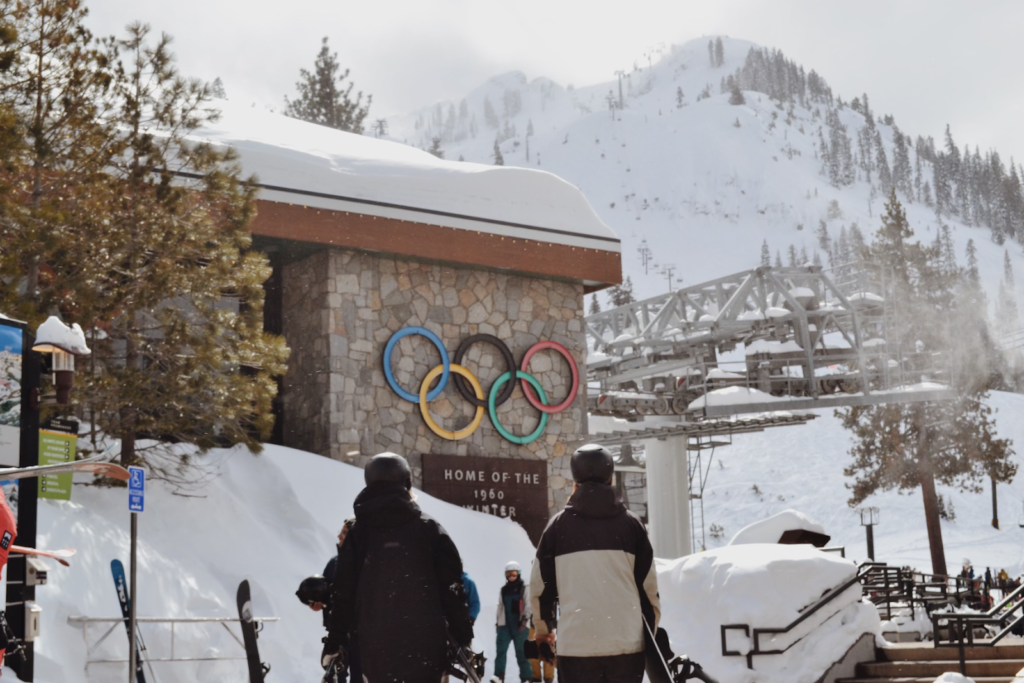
(513, 566)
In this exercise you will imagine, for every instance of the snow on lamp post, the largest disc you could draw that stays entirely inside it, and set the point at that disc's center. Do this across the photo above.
(868, 519)
(64, 343)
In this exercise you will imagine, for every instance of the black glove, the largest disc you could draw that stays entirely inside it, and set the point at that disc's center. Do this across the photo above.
(332, 654)
(462, 633)
(661, 640)
(546, 652)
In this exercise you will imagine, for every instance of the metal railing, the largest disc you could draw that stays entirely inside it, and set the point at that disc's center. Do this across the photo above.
(119, 622)
(960, 626)
(754, 635)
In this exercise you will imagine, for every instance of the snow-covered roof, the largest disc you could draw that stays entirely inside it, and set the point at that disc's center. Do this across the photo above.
(302, 163)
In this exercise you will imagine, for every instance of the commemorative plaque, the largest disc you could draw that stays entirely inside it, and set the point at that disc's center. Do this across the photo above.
(516, 489)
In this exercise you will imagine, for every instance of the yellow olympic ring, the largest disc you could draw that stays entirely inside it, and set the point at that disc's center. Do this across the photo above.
(425, 410)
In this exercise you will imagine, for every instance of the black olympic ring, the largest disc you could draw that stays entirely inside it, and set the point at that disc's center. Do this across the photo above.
(463, 386)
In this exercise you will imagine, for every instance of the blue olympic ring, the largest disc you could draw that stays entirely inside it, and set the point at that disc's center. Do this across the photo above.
(390, 376)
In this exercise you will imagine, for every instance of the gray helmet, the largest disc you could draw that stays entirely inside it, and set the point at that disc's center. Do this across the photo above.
(592, 463)
(389, 467)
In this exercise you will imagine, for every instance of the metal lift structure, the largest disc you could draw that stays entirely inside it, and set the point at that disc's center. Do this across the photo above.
(744, 353)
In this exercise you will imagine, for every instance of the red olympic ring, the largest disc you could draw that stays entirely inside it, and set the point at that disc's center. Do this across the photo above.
(528, 392)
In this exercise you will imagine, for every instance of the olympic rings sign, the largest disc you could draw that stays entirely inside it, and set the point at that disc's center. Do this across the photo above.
(469, 386)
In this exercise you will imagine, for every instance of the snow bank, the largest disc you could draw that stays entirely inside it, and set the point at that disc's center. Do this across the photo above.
(763, 586)
(272, 519)
(770, 530)
(950, 677)
(303, 163)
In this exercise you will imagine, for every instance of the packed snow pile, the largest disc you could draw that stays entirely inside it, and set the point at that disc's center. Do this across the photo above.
(763, 586)
(770, 530)
(950, 677)
(272, 519)
(732, 396)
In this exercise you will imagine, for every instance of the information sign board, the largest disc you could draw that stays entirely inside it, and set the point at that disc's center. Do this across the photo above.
(11, 359)
(517, 489)
(58, 443)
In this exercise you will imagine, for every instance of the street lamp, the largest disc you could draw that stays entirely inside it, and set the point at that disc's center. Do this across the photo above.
(64, 343)
(868, 520)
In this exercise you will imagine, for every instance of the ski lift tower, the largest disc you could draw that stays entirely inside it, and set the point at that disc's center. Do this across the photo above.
(752, 350)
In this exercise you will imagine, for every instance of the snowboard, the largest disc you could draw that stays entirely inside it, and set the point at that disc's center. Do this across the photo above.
(257, 669)
(117, 569)
(62, 555)
(90, 465)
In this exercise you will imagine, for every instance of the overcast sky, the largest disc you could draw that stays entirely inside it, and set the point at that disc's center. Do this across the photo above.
(928, 62)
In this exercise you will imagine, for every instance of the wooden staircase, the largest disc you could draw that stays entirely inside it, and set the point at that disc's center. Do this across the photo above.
(922, 663)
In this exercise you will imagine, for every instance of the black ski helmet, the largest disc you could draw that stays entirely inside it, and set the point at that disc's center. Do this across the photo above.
(592, 462)
(312, 590)
(388, 467)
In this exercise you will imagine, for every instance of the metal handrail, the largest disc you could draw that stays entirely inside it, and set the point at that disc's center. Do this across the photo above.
(755, 634)
(997, 615)
(115, 621)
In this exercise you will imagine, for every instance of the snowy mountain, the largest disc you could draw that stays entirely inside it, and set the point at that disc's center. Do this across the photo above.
(695, 185)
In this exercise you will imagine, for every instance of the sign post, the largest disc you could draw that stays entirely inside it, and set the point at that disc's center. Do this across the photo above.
(503, 487)
(136, 504)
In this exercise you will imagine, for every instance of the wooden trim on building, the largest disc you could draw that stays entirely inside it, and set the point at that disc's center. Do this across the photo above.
(595, 268)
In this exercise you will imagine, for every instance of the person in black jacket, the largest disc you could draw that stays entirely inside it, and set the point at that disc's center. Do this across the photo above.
(594, 581)
(398, 584)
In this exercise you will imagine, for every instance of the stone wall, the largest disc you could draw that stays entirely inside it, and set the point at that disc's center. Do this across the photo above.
(340, 309)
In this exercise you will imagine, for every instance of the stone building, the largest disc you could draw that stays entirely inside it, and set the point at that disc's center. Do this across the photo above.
(368, 237)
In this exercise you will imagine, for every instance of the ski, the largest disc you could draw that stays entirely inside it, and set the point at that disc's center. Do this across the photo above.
(257, 669)
(117, 569)
(91, 465)
(62, 555)
(680, 669)
(461, 665)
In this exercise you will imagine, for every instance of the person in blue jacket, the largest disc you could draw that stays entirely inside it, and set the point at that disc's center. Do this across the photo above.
(472, 597)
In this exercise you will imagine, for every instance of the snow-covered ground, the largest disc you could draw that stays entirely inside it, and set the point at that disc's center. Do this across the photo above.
(802, 468)
(272, 519)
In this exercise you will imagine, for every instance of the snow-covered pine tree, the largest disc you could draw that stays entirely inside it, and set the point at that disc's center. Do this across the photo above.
(217, 89)
(719, 52)
(490, 116)
(882, 166)
(735, 94)
(766, 255)
(679, 97)
(435, 147)
(824, 239)
(595, 305)
(498, 159)
(711, 53)
(901, 175)
(324, 99)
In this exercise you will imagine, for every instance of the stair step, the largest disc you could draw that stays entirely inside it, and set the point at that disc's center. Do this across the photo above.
(901, 652)
(918, 669)
(927, 679)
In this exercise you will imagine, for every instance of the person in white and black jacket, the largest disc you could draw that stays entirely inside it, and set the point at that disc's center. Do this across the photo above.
(594, 580)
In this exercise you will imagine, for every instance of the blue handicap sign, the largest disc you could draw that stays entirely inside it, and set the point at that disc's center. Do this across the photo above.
(137, 489)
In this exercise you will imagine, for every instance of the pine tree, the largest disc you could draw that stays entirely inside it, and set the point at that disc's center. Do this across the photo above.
(735, 94)
(882, 166)
(896, 445)
(490, 116)
(719, 52)
(498, 159)
(435, 147)
(766, 255)
(217, 89)
(711, 53)
(620, 295)
(595, 305)
(824, 239)
(792, 256)
(901, 176)
(679, 97)
(324, 99)
(778, 259)
(159, 271)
